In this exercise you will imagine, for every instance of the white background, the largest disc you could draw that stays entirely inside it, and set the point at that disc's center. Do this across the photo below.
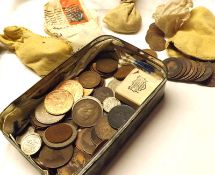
(179, 138)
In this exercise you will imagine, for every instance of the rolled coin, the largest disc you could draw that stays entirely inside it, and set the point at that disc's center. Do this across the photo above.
(74, 87)
(110, 103)
(58, 102)
(86, 111)
(55, 158)
(44, 117)
(31, 143)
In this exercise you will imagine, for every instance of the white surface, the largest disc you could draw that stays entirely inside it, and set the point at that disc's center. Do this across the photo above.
(177, 140)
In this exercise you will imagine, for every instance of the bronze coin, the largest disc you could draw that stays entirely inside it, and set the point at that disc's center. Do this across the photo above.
(58, 133)
(200, 71)
(86, 111)
(123, 71)
(102, 93)
(86, 141)
(188, 68)
(119, 115)
(58, 102)
(174, 66)
(150, 52)
(89, 79)
(55, 158)
(211, 81)
(103, 129)
(192, 72)
(95, 139)
(207, 74)
(102, 74)
(106, 65)
(183, 71)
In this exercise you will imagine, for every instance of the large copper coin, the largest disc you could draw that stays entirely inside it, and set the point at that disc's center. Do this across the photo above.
(58, 133)
(74, 87)
(103, 129)
(174, 67)
(211, 81)
(44, 117)
(58, 102)
(55, 158)
(102, 93)
(207, 74)
(123, 71)
(89, 79)
(119, 115)
(106, 65)
(87, 111)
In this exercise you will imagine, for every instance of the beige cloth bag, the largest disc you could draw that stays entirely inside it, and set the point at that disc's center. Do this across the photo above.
(41, 54)
(124, 18)
(70, 20)
(197, 36)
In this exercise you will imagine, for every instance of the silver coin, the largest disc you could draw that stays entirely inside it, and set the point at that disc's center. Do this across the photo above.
(31, 143)
(113, 84)
(44, 117)
(110, 103)
(19, 138)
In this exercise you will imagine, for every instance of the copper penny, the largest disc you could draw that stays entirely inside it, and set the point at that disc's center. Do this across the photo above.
(58, 133)
(106, 65)
(200, 71)
(86, 111)
(207, 74)
(74, 87)
(58, 102)
(192, 72)
(55, 158)
(102, 93)
(89, 79)
(211, 81)
(188, 68)
(105, 75)
(183, 71)
(174, 66)
(103, 129)
(123, 71)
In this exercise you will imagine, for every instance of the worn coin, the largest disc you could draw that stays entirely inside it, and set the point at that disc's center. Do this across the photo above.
(102, 74)
(55, 158)
(74, 87)
(86, 111)
(31, 143)
(207, 74)
(119, 115)
(44, 117)
(123, 71)
(89, 79)
(110, 102)
(192, 72)
(174, 66)
(59, 139)
(188, 66)
(95, 139)
(102, 93)
(183, 71)
(103, 129)
(106, 65)
(58, 102)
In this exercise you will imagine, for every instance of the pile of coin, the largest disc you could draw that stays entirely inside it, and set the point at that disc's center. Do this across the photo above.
(77, 118)
(192, 71)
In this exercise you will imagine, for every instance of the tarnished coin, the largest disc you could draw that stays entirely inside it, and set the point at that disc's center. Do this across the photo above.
(192, 72)
(95, 139)
(106, 65)
(58, 102)
(74, 87)
(55, 158)
(110, 103)
(102, 93)
(119, 115)
(44, 117)
(102, 74)
(89, 79)
(188, 66)
(59, 135)
(201, 70)
(183, 71)
(174, 66)
(86, 142)
(31, 143)
(123, 71)
(86, 111)
(207, 74)
(113, 84)
(103, 129)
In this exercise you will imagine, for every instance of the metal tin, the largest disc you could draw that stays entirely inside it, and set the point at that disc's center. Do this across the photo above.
(18, 112)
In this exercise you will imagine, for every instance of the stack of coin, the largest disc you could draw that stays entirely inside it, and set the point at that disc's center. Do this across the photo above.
(78, 117)
(192, 71)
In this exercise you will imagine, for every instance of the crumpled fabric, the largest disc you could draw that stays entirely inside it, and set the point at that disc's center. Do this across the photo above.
(197, 36)
(41, 54)
(124, 19)
(72, 21)
(170, 17)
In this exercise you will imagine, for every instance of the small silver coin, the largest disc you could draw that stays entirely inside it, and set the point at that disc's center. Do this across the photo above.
(110, 103)
(31, 143)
